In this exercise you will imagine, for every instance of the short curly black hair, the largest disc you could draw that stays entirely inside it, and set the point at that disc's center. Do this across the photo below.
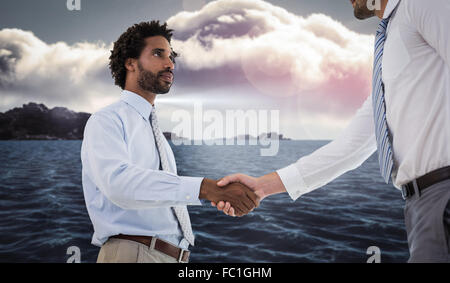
(130, 45)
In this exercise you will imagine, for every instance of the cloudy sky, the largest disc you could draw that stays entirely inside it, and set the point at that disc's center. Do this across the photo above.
(311, 60)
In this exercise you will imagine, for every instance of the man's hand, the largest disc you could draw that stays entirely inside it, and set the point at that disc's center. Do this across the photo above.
(237, 195)
(263, 187)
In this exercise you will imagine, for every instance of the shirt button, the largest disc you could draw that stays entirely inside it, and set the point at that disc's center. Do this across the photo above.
(188, 197)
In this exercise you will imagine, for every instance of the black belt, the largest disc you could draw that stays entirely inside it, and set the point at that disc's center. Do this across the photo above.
(425, 181)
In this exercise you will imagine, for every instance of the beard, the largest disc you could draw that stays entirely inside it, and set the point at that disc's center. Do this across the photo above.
(149, 81)
(361, 11)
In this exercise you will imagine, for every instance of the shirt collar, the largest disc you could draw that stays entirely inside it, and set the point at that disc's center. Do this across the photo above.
(140, 104)
(390, 7)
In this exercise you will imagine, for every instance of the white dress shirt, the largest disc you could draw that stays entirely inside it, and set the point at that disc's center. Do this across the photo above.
(416, 75)
(124, 190)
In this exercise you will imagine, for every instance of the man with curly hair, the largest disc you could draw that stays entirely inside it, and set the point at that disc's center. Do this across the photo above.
(134, 197)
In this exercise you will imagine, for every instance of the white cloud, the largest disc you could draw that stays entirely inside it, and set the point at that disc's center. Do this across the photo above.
(321, 64)
(280, 53)
(56, 74)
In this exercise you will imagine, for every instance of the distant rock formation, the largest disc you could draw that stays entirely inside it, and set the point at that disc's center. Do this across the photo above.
(172, 136)
(271, 135)
(36, 122)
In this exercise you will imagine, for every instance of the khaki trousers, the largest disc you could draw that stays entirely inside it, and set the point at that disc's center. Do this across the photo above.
(126, 251)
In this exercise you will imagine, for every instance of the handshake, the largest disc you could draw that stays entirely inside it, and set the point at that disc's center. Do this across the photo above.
(239, 194)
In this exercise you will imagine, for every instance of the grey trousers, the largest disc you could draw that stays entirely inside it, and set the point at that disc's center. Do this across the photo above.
(427, 220)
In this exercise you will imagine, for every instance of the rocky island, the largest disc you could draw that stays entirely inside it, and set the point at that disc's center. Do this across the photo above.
(35, 121)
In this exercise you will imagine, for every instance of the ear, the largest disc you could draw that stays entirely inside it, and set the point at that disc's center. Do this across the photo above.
(131, 64)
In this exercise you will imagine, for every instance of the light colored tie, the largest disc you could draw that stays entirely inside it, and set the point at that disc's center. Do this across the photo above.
(181, 212)
(385, 154)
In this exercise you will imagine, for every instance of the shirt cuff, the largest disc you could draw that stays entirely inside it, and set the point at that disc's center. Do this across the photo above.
(292, 181)
(191, 190)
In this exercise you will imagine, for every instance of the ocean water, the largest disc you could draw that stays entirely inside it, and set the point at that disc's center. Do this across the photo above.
(42, 209)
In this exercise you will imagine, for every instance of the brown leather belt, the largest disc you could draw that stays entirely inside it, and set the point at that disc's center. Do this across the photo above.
(425, 181)
(166, 248)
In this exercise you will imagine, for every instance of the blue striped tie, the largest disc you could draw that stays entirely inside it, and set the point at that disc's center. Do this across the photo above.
(385, 155)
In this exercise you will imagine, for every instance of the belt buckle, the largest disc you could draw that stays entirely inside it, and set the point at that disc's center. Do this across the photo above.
(405, 194)
(180, 257)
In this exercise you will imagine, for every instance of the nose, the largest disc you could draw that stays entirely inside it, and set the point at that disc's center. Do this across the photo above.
(168, 64)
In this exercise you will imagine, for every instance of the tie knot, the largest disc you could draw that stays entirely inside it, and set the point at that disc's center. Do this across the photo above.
(383, 25)
(153, 114)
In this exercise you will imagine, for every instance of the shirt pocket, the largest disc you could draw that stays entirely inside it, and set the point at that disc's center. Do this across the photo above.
(395, 56)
